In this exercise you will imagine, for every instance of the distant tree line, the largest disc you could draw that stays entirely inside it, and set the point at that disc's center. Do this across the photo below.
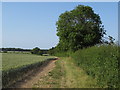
(35, 50)
(14, 49)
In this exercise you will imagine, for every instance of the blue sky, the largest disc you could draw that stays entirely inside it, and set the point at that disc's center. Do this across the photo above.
(0, 24)
(27, 25)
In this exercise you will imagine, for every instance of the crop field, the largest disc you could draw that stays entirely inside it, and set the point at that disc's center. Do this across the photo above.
(15, 65)
(12, 61)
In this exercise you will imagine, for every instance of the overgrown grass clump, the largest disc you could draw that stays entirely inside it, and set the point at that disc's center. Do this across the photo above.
(57, 73)
(101, 63)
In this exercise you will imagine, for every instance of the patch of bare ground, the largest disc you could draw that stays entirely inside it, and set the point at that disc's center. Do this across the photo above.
(34, 75)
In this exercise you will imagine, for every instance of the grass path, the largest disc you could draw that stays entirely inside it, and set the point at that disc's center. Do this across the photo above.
(76, 77)
(66, 75)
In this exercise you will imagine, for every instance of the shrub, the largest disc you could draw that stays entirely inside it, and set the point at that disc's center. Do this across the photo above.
(4, 51)
(35, 50)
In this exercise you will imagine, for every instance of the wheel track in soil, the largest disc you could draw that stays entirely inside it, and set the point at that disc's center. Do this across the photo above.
(34, 75)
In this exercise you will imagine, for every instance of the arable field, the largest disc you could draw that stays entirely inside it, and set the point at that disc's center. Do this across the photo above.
(14, 66)
(12, 60)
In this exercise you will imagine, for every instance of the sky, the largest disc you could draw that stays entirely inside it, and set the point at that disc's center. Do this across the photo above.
(33, 24)
(119, 23)
(0, 24)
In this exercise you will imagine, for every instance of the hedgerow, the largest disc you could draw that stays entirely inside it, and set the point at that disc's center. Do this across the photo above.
(100, 62)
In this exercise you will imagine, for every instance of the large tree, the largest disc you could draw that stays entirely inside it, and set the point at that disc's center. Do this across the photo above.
(79, 28)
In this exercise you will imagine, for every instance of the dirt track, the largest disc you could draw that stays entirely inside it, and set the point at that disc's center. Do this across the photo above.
(33, 76)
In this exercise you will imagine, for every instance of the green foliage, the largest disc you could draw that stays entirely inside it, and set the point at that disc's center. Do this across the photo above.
(52, 51)
(4, 51)
(79, 28)
(14, 49)
(35, 50)
(56, 52)
(63, 54)
(101, 63)
(38, 51)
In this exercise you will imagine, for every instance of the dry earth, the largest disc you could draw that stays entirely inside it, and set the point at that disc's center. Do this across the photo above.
(34, 75)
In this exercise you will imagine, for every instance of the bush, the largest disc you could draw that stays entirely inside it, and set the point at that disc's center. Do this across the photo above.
(35, 50)
(40, 53)
(101, 63)
(4, 51)
(63, 54)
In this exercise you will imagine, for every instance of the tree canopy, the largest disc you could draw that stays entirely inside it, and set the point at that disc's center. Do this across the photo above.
(79, 28)
(39, 51)
(35, 50)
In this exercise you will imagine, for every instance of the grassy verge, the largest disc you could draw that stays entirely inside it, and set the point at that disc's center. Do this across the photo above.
(66, 75)
(76, 77)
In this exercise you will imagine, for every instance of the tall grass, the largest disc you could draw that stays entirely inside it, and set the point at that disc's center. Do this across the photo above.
(101, 63)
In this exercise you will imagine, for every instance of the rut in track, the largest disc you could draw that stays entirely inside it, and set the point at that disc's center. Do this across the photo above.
(34, 76)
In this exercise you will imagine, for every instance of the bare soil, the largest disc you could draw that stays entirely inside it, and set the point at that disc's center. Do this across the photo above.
(34, 75)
